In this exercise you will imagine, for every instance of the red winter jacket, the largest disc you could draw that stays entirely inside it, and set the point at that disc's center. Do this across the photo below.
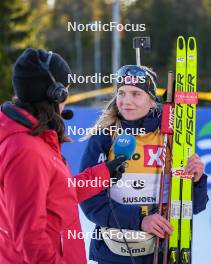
(38, 210)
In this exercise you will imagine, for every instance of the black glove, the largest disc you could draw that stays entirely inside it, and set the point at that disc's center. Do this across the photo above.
(116, 167)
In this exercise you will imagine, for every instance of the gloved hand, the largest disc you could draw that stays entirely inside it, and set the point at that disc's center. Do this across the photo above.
(116, 167)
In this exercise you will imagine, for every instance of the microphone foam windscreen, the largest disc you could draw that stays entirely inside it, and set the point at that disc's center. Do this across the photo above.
(67, 114)
(125, 145)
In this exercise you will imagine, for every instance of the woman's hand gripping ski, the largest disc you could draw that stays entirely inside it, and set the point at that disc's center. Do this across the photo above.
(157, 224)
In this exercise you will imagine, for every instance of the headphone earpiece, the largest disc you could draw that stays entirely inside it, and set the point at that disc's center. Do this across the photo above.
(56, 92)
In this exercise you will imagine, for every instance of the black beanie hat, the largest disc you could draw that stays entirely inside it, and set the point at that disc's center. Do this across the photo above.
(31, 80)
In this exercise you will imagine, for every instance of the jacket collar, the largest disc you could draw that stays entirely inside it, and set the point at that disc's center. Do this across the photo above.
(150, 122)
(14, 119)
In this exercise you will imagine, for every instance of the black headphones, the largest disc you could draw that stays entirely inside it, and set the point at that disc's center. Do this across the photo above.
(56, 92)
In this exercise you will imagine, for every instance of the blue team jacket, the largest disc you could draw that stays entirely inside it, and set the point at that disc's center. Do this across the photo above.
(97, 208)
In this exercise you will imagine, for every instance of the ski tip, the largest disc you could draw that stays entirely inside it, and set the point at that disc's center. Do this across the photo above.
(192, 44)
(181, 43)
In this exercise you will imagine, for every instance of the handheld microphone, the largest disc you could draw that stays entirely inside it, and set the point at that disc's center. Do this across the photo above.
(124, 146)
(67, 114)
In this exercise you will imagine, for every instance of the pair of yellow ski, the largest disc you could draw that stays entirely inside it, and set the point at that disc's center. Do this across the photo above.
(181, 203)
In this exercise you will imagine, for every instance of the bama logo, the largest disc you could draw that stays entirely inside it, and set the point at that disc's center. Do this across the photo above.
(152, 156)
(133, 250)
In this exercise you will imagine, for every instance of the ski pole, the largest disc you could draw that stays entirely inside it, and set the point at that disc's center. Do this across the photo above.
(166, 240)
(166, 129)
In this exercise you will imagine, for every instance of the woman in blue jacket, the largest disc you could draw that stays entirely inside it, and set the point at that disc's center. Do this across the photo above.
(132, 207)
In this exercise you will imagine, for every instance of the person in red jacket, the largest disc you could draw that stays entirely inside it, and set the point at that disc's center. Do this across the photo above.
(38, 205)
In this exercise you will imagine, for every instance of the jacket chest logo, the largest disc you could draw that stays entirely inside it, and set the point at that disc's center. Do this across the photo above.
(152, 156)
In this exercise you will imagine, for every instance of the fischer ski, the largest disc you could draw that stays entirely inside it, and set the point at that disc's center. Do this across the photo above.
(183, 148)
(177, 153)
(189, 150)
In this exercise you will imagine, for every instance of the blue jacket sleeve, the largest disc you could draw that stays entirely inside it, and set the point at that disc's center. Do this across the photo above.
(98, 208)
(96, 151)
(200, 197)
